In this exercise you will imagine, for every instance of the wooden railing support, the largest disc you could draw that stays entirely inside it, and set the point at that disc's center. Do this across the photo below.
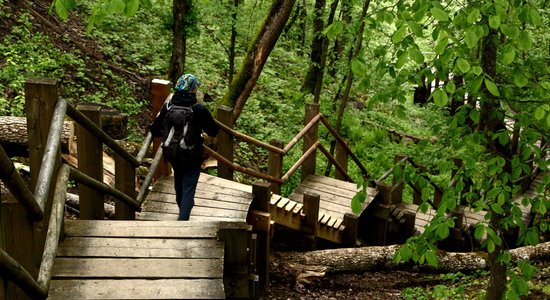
(260, 202)
(224, 143)
(310, 221)
(275, 166)
(90, 162)
(308, 167)
(342, 159)
(160, 90)
(397, 183)
(351, 223)
(125, 181)
(236, 272)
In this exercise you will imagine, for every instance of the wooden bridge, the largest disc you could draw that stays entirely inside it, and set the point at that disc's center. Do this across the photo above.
(221, 252)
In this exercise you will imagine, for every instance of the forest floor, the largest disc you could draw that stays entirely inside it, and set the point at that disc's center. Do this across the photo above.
(395, 285)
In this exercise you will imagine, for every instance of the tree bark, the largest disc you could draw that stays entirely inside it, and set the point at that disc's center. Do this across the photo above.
(179, 41)
(316, 47)
(14, 139)
(365, 259)
(238, 92)
(340, 42)
(232, 41)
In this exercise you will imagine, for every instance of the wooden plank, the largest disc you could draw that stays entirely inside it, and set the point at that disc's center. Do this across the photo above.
(143, 268)
(213, 180)
(137, 289)
(325, 219)
(218, 212)
(154, 216)
(328, 189)
(144, 229)
(290, 206)
(283, 202)
(172, 206)
(350, 186)
(140, 247)
(331, 222)
(338, 223)
(168, 188)
(211, 194)
(275, 199)
(332, 209)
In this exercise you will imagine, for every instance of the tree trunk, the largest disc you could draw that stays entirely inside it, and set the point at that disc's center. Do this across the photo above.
(365, 259)
(303, 24)
(316, 47)
(177, 62)
(340, 42)
(232, 41)
(256, 56)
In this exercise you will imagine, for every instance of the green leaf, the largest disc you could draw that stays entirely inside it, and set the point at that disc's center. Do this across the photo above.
(492, 87)
(471, 38)
(432, 259)
(147, 3)
(450, 87)
(476, 84)
(479, 232)
(503, 138)
(442, 231)
(440, 97)
(357, 202)
(402, 59)
(540, 112)
(509, 55)
(524, 41)
(441, 45)
(520, 80)
(510, 31)
(415, 28)
(532, 237)
(473, 16)
(494, 22)
(490, 246)
(535, 17)
(416, 55)
(477, 70)
(334, 29)
(463, 65)
(439, 14)
(398, 35)
(131, 8)
(358, 67)
(117, 6)
(497, 208)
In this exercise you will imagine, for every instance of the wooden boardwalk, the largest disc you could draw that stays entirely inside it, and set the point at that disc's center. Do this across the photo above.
(139, 260)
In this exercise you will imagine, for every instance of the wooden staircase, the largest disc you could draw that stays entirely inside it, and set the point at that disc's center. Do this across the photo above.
(139, 260)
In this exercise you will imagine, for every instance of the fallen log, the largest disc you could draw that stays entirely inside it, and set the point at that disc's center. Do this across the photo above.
(376, 258)
(14, 138)
(73, 201)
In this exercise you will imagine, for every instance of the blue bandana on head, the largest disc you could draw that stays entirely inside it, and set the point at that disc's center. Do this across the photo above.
(187, 83)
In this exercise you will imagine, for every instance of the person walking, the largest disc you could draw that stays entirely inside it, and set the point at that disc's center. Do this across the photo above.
(180, 123)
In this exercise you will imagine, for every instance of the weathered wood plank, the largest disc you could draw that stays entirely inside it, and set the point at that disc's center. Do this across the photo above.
(334, 190)
(218, 212)
(144, 229)
(211, 194)
(140, 247)
(282, 202)
(143, 268)
(173, 208)
(137, 289)
(213, 180)
(350, 186)
(168, 188)
(154, 216)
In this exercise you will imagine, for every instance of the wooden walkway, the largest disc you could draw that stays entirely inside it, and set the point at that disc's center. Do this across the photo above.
(139, 260)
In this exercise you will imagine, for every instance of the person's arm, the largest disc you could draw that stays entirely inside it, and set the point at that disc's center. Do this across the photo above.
(207, 122)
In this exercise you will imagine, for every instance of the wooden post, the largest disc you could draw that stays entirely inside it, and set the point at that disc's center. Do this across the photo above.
(160, 89)
(262, 195)
(125, 181)
(90, 162)
(236, 259)
(379, 216)
(310, 138)
(41, 95)
(397, 183)
(342, 160)
(349, 237)
(275, 165)
(406, 226)
(417, 196)
(224, 140)
(309, 223)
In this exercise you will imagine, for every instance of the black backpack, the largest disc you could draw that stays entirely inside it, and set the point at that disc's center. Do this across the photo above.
(182, 143)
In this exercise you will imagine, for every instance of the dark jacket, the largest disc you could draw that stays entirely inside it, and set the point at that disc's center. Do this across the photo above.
(204, 118)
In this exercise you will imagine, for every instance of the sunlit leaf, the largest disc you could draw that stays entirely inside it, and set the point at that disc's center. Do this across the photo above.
(432, 259)
(520, 80)
(494, 22)
(463, 65)
(439, 14)
(334, 29)
(509, 55)
(441, 45)
(525, 42)
(535, 17)
(358, 67)
(398, 34)
(440, 97)
(132, 7)
(540, 112)
(492, 87)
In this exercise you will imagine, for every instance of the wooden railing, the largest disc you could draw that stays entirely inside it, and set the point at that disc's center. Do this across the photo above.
(42, 98)
(277, 152)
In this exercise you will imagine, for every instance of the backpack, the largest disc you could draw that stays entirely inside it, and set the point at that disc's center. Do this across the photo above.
(183, 143)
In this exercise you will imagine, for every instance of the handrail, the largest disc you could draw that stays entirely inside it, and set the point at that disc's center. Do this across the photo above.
(300, 161)
(83, 121)
(12, 270)
(249, 139)
(149, 178)
(18, 187)
(143, 150)
(54, 227)
(302, 132)
(90, 182)
(334, 162)
(50, 153)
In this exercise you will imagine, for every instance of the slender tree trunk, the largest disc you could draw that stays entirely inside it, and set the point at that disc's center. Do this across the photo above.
(316, 47)
(177, 62)
(303, 24)
(340, 42)
(240, 88)
(232, 42)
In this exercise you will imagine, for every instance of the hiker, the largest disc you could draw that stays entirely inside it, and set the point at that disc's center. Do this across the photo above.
(181, 122)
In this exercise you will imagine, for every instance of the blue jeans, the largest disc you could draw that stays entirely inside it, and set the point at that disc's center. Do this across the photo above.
(185, 184)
